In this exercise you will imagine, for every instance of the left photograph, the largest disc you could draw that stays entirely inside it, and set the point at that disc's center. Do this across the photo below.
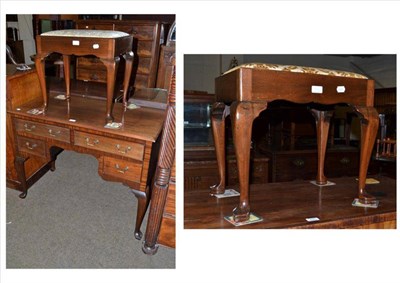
(90, 141)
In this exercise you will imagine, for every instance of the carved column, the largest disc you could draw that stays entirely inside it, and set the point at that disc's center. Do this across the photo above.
(162, 176)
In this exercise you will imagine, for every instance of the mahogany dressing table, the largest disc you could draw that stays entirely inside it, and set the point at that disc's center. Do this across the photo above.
(248, 89)
(127, 154)
(105, 44)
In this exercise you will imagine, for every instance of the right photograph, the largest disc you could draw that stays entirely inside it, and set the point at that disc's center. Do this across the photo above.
(290, 141)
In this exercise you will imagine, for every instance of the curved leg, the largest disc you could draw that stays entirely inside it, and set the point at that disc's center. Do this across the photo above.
(218, 114)
(128, 70)
(39, 63)
(243, 114)
(322, 120)
(20, 168)
(369, 127)
(143, 203)
(112, 66)
(67, 76)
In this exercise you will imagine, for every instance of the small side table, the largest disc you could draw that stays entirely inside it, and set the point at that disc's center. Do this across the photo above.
(105, 44)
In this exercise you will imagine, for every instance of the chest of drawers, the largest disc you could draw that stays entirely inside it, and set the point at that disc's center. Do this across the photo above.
(148, 36)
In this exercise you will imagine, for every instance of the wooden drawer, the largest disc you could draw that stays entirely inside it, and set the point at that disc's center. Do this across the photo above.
(142, 81)
(31, 146)
(292, 165)
(145, 48)
(98, 75)
(144, 65)
(42, 130)
(110, 145)
(141, 32)
(122, 169)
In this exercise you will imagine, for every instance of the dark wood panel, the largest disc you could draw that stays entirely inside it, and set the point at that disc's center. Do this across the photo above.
(287, 205)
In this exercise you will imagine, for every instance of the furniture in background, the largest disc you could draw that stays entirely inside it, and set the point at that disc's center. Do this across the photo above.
(250, 88)
(56, 22)
(106, 45)
(200, 164)
(161, 222)
(384, 159)
(148, 37)
(286, 134)
(21, 87)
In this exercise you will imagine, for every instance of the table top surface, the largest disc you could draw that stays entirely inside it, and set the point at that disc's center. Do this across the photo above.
(142, 123)
(287, 205)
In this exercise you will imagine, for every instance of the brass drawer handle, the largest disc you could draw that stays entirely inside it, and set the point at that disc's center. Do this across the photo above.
(345, 160)
(298, 162)
(121, 170)
(54, 134)
(29, 128)
(123, 151)
(94, 143)
(94, 77)
(29, 146)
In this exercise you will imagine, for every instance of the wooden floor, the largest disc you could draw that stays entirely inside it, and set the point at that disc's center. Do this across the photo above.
(287, 205)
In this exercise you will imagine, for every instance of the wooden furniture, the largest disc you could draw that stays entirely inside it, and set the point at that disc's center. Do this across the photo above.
(165, 66)
(201, 168)
(148, 36)
(290, 203)
(290, 165)
(106, 45)
(22, 87)
(57, 22)
(249, 88)
(161, 223)
(127, 155)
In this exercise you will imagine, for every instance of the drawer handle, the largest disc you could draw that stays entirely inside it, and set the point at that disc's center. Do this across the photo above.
(94, 143)
(345, 160)
(29, 146)
(121, 170)
(29, 128)
(123, 151)
(54, 134)
(94, 77)
(133, 32)
(298, 162)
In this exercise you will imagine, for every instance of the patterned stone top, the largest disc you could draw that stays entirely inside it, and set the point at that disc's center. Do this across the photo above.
(86, 33)
(298, 69)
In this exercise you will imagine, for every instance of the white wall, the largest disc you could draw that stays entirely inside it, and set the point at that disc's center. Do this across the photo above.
(25, 27)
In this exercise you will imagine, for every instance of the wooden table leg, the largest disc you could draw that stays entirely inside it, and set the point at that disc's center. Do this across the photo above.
(143, 202)
(322, 120)
(242, 116)
(218, 114)
(369, 119)
(40, 67)
(128, 70)
(67, 77)
(112, 66)
(20, 168)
